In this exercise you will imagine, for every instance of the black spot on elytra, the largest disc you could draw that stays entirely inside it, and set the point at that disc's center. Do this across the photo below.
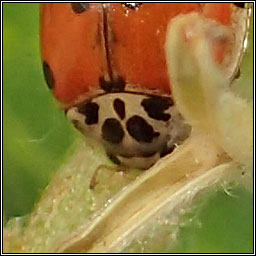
(112, 86)
(140, 130)
(112, 131)
(119, 107)
(155, 107)
(80, 7)
(91, 112)
(133, 5)
(114, 159)
(240, 5)
(48, 75)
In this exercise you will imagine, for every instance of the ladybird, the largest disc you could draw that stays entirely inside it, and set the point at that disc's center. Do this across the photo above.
(105, 64)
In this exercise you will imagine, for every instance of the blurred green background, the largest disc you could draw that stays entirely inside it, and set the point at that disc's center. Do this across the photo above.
(37, 139)
(36, 135)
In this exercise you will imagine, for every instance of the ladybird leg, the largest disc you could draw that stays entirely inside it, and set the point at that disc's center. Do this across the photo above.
(201, 90)
(94, 181)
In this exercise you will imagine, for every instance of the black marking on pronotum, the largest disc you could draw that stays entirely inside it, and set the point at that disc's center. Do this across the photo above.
(117, 85)
(132, 5)
(240, 5)
(140, 130)
(91, 112)
(80, 7)
(48, 75)
(119, 107)
(155, 107)
(112, 131)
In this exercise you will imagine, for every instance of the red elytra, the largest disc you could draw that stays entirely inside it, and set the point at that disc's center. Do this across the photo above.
(83, 45)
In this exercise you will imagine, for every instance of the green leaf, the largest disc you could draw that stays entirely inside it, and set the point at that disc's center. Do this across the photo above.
(36, 135)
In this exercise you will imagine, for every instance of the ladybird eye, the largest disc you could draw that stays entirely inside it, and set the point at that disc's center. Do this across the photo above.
(132, 5)
(240, 5)
(80, 7)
